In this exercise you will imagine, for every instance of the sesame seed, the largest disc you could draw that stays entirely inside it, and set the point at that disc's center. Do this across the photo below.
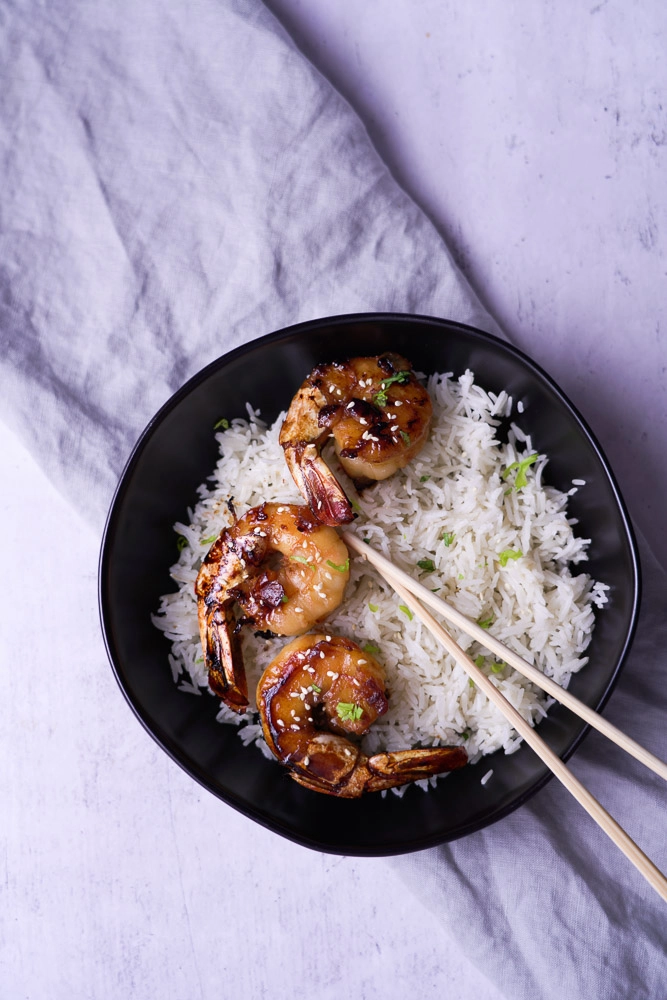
(362, 661)
(297, 718)
(306, 761)
(334, 677)
(398, 403)
(328, 576)
(394, 428)
(299, 611)
(330, 673)
(310, 718)
(328, 638)
(348, 753)
(281, 510)
(350, 405)
(304, 545)
(362, 421)
(294, 728)
(319, 504)
(292, 713)
(321, 655)
(281, 723)
(332, 388)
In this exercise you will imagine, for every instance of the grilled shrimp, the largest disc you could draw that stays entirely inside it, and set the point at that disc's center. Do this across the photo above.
(318, 691)
(283, 568)
(378, 415)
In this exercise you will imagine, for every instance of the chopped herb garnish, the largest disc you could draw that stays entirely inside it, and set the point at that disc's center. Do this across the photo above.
(200, 659)
(423, 479)
(486, 622)
(373, 607)
(370, 647)
(434, 590)
(343, 568)
(471, 682)
(461, 576)
(479, 661)
(465, 734)
(316, 689)
(520, 479)
(508, 554)
(209, 540)
(302, 559)
(380, 398)
(348, 711)
(367, 540)
(181, 543)
(406, 611)
(355, 506)
(406, 437)
(447, 537)
(222, 425)
(284, 599)
(426, 564)
(497, 668)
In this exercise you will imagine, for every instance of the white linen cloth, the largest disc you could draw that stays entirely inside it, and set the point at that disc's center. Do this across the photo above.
(177, 179)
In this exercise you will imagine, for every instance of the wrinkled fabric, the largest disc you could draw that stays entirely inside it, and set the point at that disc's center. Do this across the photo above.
(177, 180)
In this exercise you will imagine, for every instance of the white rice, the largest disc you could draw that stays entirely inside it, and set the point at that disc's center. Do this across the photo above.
(455, 487)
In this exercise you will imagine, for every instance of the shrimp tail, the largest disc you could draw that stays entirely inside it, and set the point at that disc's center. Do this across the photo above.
(318, 485)
(352, 775)
(224, 662)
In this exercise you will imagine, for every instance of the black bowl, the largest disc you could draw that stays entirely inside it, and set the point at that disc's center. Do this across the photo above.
(177, 451)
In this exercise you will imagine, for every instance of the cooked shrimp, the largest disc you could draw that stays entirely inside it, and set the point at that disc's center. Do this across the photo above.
(284, 569)
(378, 415)
(319, 690)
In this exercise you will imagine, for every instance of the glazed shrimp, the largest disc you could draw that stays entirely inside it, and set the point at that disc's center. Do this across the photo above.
(378, 415)
(318, 691)
(283, 568)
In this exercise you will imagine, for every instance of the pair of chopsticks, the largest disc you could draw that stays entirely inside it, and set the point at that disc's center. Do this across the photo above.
(414, 593)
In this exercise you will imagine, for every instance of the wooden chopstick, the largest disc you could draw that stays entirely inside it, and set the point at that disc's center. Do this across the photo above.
(486, 638)
(607, 823)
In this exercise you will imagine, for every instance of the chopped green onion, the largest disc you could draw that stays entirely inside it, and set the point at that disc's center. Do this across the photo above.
(221, 425)
(497, 668)
(373, 608)
(380, 398)
(426, 564)
(343, 568)
(479, 662)
(434, 590)
(302, 559)
(465, 734)
(370, 648)
(181, 543)
(367, 540)
(406, 611)
(209, 540)
(508, 554)
(423, 479)
(316, 689)
(461, 576)
(520, 479)
(471, 682)
(406, 437)
(348, 711)
(200, 659)
(447, 537)
(355, 506)
(486, 622)
(401, 378)
(284, 599)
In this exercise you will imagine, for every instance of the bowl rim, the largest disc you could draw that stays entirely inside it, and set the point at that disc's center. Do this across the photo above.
(154, 729)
